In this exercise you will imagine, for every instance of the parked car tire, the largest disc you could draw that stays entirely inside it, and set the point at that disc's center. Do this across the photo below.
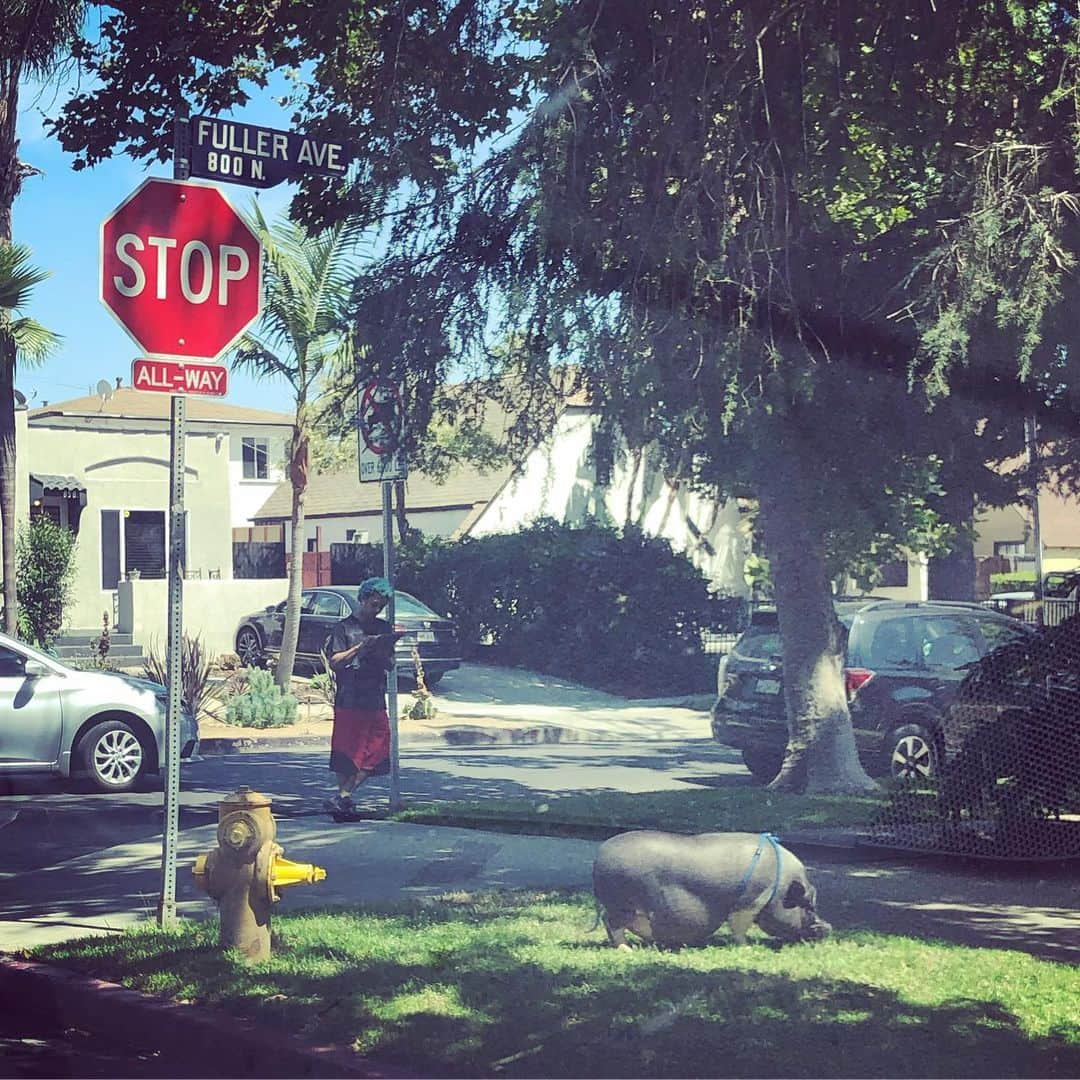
(763, 764)
(433, 680)
(249, 647)
(912, 753)
(112, 756)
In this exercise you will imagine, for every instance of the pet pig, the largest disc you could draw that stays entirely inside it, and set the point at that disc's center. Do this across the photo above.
(677, 890)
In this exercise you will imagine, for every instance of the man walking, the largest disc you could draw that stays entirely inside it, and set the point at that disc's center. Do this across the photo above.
(360, 650)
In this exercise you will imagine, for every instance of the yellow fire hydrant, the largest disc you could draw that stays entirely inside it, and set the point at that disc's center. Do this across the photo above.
(246, 870)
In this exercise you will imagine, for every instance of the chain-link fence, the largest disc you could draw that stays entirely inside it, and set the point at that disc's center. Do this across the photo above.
(1007, 782)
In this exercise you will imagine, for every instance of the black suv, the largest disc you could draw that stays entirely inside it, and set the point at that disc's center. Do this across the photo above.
(903, 664)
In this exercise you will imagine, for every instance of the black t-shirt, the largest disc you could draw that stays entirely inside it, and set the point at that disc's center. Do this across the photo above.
(361, 683)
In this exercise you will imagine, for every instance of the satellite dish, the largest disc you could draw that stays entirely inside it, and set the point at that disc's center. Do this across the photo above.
(105, 390)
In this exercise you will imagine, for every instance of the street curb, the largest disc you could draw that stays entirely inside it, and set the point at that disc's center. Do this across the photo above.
(238, 1047)
(458, 735)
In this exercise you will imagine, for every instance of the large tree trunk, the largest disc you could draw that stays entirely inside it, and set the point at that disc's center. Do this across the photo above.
(821, 754)
(298, 467)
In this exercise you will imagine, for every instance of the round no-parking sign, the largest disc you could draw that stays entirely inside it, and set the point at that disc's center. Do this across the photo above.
(380, 421)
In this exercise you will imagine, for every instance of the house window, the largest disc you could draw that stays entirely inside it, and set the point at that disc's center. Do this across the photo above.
(1009, 548)
(144, 543)
(256, 454)
(313, 544)
(350, 536)
(132, 541)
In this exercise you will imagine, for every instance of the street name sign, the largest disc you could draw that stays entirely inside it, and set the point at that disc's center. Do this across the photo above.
(380, 421)
(181, 271)
(179, 377)
(216, 149)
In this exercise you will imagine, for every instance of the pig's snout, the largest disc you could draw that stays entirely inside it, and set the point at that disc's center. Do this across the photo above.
(816, 929)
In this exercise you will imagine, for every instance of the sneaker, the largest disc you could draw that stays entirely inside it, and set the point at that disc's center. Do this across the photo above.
(339, 804)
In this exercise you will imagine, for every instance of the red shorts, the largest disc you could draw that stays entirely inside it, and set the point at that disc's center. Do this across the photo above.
(361, 740)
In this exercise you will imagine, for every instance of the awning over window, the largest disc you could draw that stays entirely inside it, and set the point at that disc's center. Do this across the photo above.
(68, 487)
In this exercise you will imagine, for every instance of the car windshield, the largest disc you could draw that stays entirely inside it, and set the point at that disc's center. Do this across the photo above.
(760, 643)
(34, 654)
(404, 604)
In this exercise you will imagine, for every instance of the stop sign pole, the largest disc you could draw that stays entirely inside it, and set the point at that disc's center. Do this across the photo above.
(182, 273)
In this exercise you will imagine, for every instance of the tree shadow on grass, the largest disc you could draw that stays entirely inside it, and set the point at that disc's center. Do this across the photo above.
(465, 989)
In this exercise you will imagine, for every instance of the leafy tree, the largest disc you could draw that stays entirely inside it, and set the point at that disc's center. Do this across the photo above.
(301, 337)
(35, 35)
(775, 240)
(45, 574)
(21, 339)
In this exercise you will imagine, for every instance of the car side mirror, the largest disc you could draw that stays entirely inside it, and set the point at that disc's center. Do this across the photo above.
(35, 669)
(270, 607)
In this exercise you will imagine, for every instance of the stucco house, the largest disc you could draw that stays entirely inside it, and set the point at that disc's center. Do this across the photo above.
(575, 474)
(338, 508)
(1009, 533)
(100, 466)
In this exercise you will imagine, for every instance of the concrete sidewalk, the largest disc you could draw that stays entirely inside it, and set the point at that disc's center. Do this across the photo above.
(481, 705)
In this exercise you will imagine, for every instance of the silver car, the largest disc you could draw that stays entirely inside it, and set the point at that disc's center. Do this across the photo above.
(106, 725)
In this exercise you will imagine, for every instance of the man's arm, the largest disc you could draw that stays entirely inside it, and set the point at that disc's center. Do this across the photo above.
(340, 652)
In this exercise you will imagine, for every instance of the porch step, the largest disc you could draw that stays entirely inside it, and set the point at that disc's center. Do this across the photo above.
(86, 648)
(88, 637)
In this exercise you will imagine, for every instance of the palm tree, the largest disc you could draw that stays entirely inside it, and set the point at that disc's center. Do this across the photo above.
(35, 36)
(303, 337)
(21, 339)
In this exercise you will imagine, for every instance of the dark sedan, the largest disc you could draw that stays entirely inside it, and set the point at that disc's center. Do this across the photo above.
(258, 636)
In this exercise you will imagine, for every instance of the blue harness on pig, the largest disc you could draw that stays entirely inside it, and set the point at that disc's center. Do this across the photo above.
(765, 838)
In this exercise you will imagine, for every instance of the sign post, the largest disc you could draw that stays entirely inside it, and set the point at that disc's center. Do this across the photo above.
(380, 422)
(182, 273)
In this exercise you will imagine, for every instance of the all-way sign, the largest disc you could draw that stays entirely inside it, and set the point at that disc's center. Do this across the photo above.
(217, 149)
(179, 377)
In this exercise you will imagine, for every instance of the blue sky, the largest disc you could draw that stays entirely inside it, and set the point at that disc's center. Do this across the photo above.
(59, 215)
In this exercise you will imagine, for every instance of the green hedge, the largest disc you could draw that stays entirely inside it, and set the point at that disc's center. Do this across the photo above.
(610, 608)
(1012, 582)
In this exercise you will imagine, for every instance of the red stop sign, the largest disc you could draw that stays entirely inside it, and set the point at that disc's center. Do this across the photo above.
(180, 269)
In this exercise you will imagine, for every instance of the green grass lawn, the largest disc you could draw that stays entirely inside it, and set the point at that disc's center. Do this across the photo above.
(518, 985)
(739, 809)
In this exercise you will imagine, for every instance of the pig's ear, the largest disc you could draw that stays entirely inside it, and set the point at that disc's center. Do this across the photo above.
(796, 895)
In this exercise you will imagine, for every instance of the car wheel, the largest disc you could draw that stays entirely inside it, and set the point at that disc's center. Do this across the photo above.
(764, 764)
(913, 754)
(249, 647)
(433, 680)
(112, 756)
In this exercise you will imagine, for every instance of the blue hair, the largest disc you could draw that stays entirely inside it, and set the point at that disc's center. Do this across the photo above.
(377, 585)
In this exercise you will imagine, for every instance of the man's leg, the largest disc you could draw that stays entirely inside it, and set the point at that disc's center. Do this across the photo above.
(348, 784)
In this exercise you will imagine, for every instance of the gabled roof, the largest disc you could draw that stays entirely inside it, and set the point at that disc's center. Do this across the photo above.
(129, 404)
(341, 494)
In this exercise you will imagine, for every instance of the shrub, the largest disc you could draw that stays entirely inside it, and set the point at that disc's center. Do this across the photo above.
(325, 681)
(44, 574)
(261, 704)
(612, 608)
(423, 706)
(1012, 582)
(195, 668)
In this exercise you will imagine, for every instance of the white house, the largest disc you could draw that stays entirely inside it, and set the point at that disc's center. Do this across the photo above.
(573, 476)
(100, 466)
(581, 473)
